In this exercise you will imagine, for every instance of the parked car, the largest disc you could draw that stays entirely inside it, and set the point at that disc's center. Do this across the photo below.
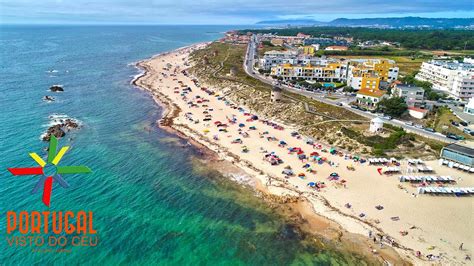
(387, 117)
(409, 123)
(429, 129)
(469, 131)
(339, 104)
(418, 126)
(454, 123)
(452, 136)
(463, 123)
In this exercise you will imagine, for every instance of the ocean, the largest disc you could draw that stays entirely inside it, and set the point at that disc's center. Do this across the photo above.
(153, 202)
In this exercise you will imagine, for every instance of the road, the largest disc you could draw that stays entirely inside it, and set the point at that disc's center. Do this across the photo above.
(249, 63)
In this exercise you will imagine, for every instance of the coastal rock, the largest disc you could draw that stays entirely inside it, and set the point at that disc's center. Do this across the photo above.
(56, 88)
(60, 128)
(55, 130)
(48, 98)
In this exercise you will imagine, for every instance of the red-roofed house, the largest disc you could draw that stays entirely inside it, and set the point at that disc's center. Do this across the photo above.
(417, 112)
(369, 97)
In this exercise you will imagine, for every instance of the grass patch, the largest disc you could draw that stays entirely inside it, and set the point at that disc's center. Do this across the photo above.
(441, 122)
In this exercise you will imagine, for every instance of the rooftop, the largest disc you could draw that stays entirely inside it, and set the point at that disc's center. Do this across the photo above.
(409, 87)
(466, 148)
(371, 92)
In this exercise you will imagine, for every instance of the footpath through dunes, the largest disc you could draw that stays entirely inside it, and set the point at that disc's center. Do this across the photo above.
(348, 191)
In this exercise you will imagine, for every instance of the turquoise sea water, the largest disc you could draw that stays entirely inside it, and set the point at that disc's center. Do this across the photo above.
(151, 204)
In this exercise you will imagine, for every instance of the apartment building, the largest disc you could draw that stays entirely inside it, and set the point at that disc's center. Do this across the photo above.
(413, 95)
(325, 71)
(452, 77)
(369, 73)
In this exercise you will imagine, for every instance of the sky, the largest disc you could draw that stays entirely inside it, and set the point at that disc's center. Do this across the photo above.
(231, 12)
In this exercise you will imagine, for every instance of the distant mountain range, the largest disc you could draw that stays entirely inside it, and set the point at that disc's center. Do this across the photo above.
(402, 22)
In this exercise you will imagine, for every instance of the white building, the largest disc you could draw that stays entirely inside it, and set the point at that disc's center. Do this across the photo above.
(376, 125)
(457, 79)
(469, 108)
(412, 95)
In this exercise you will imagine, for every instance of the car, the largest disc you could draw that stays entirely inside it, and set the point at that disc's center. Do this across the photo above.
(464, 124)
(418, 126)
(355, 107)
(452, 136)
(454, 123)
(409, 123)
(339, 104)
(387, 117)
(430, 129)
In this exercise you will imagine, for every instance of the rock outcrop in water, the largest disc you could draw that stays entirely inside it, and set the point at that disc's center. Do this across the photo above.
(56, 88)
(59, 130)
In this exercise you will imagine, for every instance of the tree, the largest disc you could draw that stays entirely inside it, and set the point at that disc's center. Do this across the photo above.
(394, 106)
(348, 89)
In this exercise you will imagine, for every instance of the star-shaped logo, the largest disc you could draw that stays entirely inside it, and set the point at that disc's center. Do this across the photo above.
(50, 170)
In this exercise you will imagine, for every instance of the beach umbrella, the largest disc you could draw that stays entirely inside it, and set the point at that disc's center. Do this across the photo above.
(206, 130)
(282, 142)
(311, 184)
(334, 174)
(301, 175)
(217, 123)
(379, 170)
(254, 117)
(241, 125)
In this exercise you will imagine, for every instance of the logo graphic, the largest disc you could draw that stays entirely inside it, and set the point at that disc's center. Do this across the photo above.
(50, 170)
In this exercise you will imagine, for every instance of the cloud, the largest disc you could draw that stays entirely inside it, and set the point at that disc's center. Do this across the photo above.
(216, 11)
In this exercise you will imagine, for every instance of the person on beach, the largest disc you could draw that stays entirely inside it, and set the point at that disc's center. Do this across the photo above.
(370, 234)
(461, 246)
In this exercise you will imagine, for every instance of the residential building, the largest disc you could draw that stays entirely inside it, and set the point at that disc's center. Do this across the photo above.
(308, 50)
(453, 77)
(469, 108)
(325, 71)
(369, 73)
(369, 97)
(413, 95)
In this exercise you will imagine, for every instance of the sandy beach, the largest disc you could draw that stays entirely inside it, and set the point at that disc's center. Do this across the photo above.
(359, 199)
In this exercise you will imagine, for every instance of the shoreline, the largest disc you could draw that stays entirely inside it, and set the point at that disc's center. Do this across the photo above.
(297, 207)
(308, 206)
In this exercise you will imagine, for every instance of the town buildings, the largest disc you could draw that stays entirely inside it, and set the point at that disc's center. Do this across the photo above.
(452, 77)
(357, 73)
